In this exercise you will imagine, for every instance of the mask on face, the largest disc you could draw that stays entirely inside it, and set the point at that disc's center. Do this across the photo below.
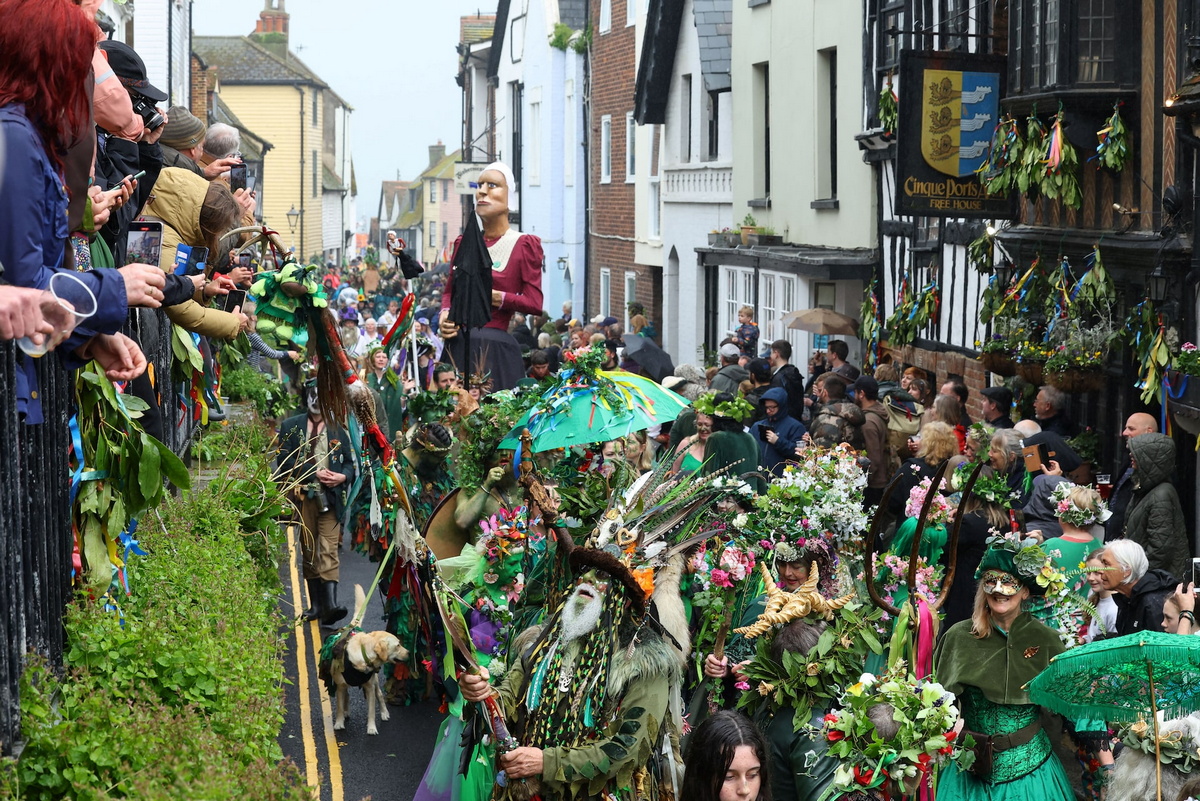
(997, 582)
(314, 405)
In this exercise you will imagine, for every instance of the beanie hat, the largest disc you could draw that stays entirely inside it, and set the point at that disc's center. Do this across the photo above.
(184, 130)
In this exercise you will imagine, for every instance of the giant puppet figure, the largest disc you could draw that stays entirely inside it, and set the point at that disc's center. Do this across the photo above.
(516, 285)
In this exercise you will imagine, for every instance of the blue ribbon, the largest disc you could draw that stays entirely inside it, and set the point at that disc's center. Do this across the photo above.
(77, 449)
(131, 545)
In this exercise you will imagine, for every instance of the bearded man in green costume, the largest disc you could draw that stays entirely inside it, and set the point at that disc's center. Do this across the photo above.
(591, 696)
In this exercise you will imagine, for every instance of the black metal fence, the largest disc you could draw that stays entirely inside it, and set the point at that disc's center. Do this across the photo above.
(35, 531)
(36, 542)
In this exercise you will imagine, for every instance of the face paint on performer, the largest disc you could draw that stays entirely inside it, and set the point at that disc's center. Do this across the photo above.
(583, 609)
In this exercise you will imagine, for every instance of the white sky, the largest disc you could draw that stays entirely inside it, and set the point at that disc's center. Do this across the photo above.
(392, 60)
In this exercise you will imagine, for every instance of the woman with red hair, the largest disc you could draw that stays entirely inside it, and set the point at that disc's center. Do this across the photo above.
(45, 55)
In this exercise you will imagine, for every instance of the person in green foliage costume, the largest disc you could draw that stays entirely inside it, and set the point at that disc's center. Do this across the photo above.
(729, 447)
(590, 698)
(383, 380)
(986, 661)
(423, 472)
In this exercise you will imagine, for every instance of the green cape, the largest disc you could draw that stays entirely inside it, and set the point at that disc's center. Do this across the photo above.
(999, 665)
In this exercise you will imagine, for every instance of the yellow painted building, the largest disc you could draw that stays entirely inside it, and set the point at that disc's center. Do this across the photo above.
(280, 98)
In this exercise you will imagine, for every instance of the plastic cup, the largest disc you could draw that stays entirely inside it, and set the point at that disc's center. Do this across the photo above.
(66, 303)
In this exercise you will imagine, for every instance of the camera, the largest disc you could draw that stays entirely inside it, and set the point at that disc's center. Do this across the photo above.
(148, 112)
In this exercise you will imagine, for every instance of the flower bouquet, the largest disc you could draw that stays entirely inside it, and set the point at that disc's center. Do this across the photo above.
(723, 573)
(821, 495)
(891, 732)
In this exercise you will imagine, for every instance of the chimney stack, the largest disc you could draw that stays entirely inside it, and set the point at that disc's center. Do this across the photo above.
(273, 18)
(436, 153)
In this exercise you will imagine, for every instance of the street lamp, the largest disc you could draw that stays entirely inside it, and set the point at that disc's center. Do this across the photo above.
(293, 220)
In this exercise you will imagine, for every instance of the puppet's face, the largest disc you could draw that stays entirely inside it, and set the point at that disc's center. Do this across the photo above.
(491, 198)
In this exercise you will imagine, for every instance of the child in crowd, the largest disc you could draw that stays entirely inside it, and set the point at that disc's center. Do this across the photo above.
(746, 335)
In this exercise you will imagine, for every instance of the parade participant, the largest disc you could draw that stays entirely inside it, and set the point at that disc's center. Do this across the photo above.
(427, 479)
(516, 284)
(690, 455)
(318, 458)
(729, 447)
(726, 761)
(445, 377)
(589, 701)
(986, 662)
(383, 380)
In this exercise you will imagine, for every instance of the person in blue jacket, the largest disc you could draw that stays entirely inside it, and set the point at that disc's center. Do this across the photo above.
(777, 433)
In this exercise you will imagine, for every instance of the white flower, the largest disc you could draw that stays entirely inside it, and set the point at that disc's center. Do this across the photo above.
(740, 520)
(867, 679)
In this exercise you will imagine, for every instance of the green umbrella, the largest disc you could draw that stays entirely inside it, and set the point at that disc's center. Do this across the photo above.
(1123, 680)
(583, 407)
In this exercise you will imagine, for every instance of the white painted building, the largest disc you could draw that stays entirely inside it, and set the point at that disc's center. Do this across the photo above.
(539, 125)
(685, 189)
(160, 31)
(796, 74)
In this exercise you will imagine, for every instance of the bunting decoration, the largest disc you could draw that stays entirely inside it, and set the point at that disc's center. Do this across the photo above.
(1061, 179)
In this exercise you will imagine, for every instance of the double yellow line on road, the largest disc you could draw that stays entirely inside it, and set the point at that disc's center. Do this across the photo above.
(305, 657)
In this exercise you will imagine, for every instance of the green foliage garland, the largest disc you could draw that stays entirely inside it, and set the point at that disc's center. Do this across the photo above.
(802, 683)
(1113, 150)
(123, 471)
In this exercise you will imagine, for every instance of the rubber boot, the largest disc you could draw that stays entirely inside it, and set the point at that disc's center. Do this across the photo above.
(332, 612)
(316, 594)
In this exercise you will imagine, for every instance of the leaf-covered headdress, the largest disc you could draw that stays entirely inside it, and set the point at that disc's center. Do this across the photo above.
(738, 408)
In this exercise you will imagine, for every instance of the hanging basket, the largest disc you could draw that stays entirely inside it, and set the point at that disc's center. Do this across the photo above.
(1031, 372)
(1183, 401)
(999, 363)
(1075, 379)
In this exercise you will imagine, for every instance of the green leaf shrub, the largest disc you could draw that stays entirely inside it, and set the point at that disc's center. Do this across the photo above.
(179, 695)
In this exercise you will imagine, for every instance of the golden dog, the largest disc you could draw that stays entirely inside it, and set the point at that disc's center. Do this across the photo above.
(354, 659)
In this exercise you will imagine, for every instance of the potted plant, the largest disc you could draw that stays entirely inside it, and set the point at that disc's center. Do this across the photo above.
(1031, 361)
(1181, 388)
(725, 238)
(765, 236)
(749, 226)
(997, 354)
(1080, 351)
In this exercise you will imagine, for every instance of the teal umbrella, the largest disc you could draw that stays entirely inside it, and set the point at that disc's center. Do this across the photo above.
(583, 407)
(1124, 680)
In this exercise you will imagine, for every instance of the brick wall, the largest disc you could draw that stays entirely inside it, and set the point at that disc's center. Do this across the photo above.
(940, 365)
(200, 85)
(611, 218)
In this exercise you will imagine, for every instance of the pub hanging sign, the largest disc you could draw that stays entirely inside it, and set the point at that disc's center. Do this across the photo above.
(949, 108)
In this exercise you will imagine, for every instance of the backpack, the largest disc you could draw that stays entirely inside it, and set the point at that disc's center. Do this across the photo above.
(903, 422)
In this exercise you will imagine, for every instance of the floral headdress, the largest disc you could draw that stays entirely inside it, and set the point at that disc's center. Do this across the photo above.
(738, 409)
(1024, 560)
(1068, 512)
(989, 486)
(939, 510)
(893, 728)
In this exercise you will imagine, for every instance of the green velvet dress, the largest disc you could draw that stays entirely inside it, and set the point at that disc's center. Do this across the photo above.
(987, 676)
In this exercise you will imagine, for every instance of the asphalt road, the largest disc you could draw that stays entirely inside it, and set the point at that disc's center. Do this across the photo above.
(347, 765)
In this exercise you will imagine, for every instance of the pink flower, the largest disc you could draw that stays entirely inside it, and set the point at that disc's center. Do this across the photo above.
(742, 685)
(1188, 346)
(721, 578)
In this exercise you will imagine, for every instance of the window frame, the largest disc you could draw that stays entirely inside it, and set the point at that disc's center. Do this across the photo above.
(606, 291)
(605, 22)
(606, 149)
(630, 148)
